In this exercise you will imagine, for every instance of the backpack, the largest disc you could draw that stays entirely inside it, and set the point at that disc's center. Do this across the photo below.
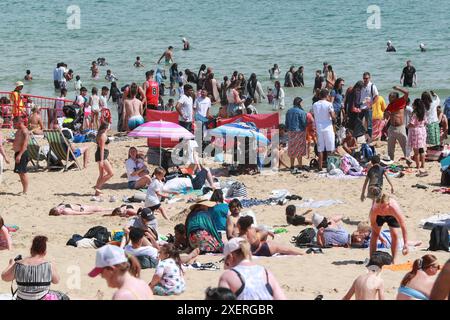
(445, 178)
(367, 152)
(305, 237)
(385, 257)
(439, 238)
(100, 233)
(237, 190)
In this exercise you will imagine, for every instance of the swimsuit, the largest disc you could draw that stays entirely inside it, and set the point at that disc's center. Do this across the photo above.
(263, 250)
(390, 220)
(135, 121)
(412, 293)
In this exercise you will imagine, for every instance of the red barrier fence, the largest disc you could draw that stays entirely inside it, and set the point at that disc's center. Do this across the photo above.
(46, 105)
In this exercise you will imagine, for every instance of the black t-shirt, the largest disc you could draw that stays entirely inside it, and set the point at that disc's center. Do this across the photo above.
(375, 175)
(318, 82)
(408, 74)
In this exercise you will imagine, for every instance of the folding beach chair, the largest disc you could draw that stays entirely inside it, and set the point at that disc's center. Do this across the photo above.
(35, 152)
(60, 147)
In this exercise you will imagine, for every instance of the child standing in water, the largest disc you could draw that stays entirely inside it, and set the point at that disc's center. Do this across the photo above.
(94, 102)
(78, 85)
(168, 278)
(94, 70)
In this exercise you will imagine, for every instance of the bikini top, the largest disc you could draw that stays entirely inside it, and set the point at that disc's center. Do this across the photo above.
(412, 293)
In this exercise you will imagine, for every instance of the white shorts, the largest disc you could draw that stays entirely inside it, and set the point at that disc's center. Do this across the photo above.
(325, 140)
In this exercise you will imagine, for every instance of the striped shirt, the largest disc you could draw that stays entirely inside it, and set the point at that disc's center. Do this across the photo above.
(33, 281)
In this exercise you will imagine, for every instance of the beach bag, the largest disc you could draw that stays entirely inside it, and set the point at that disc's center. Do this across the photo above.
(445, 178)
(333, 162)
(237, 190)
(306, 236)
(439, 238)
(99, 233)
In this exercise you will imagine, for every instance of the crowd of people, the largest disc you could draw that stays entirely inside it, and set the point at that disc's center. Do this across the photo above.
(218, 225)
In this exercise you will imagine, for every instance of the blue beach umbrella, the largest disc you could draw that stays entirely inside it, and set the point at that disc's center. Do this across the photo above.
(239, 129)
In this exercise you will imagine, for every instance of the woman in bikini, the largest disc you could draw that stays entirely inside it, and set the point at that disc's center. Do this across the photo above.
(101, 157)
(418, 283)
(257, 238)
(124, 211)
(65, 209)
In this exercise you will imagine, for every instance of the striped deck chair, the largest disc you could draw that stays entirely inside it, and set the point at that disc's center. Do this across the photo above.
(60, 147)
(35, 152)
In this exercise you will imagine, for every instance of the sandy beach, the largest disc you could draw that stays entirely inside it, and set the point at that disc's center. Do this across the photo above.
(330, 274)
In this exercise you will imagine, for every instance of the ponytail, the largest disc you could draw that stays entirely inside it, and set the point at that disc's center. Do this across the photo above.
(419, 264)
(132, 266)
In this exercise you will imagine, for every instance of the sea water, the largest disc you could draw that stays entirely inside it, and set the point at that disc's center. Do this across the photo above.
(248, 36)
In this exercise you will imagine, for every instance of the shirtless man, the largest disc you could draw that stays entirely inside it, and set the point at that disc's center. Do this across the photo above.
(133, 109)
(35, 124)
(395, 113)
(168, 55)
(20, 145)
(368, 286)
(386, 210)
(235, 208)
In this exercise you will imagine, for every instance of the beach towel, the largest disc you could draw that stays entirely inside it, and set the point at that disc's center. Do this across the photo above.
(399, 267)
(310, 203)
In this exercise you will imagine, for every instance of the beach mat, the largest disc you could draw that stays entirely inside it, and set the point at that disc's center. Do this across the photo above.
(399, 267)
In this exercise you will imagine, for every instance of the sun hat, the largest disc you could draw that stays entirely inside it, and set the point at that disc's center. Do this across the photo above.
(205, 203)
(107, 256)
(317, 219)
(19, 84)
(232, 245)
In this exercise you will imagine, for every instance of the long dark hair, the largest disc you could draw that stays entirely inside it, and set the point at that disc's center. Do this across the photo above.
(103, 127)
(337, 84)
(426, 99)
(419, 109)
(419, 264)
(217, 196)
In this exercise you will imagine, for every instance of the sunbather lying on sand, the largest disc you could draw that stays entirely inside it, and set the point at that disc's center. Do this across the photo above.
(124, 211)
(75, 210)
(258, 240)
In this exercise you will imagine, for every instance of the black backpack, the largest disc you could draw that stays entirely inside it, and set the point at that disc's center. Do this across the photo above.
(445, 178)
(305, 237)
(439, 238)
(100, 233)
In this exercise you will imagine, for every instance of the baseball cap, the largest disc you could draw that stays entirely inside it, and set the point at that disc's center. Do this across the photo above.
(317, 219)
(107, 256)
(232, 245)
(147, 214)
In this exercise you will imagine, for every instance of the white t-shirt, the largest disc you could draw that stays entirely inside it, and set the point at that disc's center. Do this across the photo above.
(202, 105)
(432, 113)
(103, 102)
(321, 111)
(367, 92)
(152, 198)
(408, 114)
(142, 251)
(190, 149)
(131, 167)
(186, 108)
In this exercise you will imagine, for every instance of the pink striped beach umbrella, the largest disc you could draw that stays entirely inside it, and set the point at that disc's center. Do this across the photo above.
(165, 131)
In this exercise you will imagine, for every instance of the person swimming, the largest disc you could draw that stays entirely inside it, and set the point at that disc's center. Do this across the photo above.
(422, 47)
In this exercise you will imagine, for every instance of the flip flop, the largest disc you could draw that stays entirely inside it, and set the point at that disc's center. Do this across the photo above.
(419, 186)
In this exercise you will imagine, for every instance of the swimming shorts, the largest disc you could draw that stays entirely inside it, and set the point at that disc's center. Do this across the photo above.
(135, 122)
(77, 153)
(390, 220)
(21, 167)
(155, 207)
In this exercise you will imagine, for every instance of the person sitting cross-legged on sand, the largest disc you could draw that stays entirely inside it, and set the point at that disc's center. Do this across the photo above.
(258, 240)
(375, 180)
(386, 210)
(330, 231)
(65, 209)
(137, 172)
(418, 283)
(34, 274)
(369, 286)
(168, 278)
(247, 280)
(349, 143)
(122, 273)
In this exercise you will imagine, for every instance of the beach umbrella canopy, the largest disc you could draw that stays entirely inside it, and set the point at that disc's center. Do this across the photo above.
(161, 133)
(239, 129)
(161, 130)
